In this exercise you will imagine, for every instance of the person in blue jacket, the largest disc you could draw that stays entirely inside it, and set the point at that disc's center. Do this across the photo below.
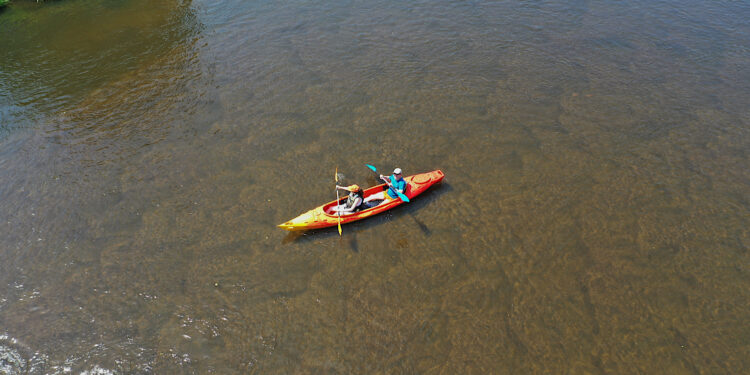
(394, 182)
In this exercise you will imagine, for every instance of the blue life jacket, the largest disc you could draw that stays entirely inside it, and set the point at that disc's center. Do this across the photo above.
(398, 184)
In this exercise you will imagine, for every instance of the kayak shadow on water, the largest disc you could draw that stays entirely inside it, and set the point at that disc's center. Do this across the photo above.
(351, 229)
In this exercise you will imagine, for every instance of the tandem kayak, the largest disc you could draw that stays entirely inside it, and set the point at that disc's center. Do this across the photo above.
(318, 217)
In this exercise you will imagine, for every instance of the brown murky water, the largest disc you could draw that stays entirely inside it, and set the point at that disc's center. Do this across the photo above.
(594, 217)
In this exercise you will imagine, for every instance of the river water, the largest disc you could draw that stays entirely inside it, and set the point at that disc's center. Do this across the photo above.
(594, 217)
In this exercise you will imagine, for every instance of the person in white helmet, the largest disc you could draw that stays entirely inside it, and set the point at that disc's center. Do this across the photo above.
(395, 183)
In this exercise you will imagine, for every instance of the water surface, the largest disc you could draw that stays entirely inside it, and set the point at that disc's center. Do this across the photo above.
(594, 217)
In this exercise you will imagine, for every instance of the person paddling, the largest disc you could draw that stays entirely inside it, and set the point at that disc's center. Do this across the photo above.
(353, 201)
(396, 184)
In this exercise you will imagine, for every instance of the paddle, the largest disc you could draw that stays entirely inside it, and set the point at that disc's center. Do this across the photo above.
(338, 202)
(400, 195)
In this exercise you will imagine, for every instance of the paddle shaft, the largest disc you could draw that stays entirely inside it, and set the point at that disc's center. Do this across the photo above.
(338, 200)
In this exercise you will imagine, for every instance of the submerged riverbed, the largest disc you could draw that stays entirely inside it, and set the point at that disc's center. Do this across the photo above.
(593, 219)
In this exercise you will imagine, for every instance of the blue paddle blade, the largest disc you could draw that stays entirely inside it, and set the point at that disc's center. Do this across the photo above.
(403, 197)
(372, 168)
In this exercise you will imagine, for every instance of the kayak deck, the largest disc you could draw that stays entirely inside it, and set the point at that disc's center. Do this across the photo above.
(318, 217)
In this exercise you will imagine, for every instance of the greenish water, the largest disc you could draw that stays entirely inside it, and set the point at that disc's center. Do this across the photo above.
(594, 217)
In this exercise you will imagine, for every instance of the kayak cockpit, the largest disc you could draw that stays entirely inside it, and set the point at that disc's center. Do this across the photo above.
(369, 206)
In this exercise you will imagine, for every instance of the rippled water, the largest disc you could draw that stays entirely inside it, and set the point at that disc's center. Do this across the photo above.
(594, 217)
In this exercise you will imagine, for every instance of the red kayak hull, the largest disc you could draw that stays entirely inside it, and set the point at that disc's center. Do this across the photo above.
(318, 217)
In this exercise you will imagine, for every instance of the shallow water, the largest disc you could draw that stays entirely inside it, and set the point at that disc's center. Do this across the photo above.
(594, 217)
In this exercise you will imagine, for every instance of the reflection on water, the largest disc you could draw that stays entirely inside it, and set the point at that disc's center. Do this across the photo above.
(593, 219)
(16, 358)
(11, 360)
(59, 53)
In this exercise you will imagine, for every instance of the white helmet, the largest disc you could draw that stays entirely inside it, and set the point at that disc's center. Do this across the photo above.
(397, 171)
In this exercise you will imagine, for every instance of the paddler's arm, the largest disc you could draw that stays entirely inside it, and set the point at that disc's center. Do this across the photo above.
(387, 181)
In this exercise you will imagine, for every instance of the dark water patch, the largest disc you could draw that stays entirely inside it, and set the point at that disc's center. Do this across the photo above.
(353, 244)
(555, 127)
(424, 228)
(664, 254)
(56, 65)
(590, 310)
